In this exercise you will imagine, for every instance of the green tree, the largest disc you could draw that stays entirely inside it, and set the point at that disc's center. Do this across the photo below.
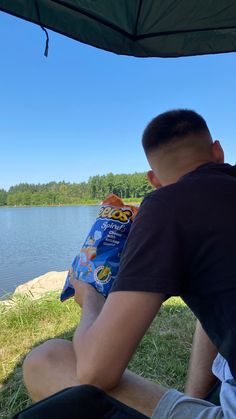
(134, 185)
(3, 197)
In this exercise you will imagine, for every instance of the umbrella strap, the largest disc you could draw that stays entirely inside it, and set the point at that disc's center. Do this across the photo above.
(42, 27)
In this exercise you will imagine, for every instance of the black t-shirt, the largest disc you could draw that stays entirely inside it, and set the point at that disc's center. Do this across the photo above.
(183, 242)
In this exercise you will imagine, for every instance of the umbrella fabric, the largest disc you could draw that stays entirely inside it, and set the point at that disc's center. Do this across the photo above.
(142, 28)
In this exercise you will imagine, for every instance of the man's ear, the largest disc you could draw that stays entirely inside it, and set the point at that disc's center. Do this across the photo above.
(153, 179)
(218, 152)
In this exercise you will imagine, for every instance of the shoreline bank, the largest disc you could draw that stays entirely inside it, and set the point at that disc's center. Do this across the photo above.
(39, 286)
(126, 202)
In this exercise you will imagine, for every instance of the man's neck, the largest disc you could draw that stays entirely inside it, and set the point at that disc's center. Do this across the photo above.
(185, 170)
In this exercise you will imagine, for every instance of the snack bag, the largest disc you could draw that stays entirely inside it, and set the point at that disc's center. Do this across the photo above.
(99, 258)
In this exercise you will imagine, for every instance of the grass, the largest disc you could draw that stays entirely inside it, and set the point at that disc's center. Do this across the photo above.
(162, 355)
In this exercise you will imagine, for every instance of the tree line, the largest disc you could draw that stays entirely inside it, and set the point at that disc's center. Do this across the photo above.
(126, 186)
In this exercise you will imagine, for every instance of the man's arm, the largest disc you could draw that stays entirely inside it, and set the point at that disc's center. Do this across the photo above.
(200, 378)
(108, 334)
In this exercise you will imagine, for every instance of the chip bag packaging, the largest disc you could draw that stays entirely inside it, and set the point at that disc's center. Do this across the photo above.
(99, 258)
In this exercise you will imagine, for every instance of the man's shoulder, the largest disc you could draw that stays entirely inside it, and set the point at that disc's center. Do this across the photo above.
(161, 201)
(200, 178)
(166, 193)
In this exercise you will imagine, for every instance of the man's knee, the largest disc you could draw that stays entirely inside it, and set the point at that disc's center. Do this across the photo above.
(41, 357)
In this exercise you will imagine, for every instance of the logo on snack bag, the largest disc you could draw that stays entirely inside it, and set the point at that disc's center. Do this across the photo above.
(102, 274)
(122, 215)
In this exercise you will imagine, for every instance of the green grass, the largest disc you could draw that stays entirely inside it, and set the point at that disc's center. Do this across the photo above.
(162, 355)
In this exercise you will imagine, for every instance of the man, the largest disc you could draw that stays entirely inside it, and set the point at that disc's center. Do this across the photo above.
(181, 243)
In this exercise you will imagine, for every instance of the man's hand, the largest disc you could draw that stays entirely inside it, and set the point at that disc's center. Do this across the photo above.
(83, 291)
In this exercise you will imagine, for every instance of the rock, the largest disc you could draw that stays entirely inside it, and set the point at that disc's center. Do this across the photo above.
(51, 281)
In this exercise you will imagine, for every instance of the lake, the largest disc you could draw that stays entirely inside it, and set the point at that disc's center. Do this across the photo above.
(37, 240)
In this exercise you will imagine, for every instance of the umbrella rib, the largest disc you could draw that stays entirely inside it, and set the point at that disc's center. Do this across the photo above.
(137, 19)
(94, 17)
(166, 33)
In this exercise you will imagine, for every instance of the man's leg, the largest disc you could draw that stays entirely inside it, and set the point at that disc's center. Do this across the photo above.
(51, 367)
(200, 378)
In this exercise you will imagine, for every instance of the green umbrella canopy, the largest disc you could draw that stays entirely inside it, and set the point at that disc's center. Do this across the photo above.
(148, 28)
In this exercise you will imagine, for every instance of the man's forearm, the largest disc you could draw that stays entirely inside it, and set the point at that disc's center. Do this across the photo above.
(92, 306)
(200, 377)
(82, 341)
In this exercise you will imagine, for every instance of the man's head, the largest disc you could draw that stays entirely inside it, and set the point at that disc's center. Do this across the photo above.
(177, 142)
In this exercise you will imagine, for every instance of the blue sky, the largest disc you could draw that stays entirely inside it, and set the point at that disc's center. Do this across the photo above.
(81, 111)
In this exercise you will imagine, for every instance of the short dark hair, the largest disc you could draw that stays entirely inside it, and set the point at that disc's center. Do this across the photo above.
(174, 124)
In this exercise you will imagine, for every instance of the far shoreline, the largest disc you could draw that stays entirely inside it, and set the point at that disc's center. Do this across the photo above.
(82, 204)
(53, 205)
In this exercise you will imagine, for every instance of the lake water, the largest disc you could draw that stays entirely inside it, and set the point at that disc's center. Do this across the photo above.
(37, 240)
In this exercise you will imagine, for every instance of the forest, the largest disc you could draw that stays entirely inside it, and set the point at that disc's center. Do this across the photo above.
(128, 186)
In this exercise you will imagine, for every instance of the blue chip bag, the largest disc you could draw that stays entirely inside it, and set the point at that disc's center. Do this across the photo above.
(99, 258)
